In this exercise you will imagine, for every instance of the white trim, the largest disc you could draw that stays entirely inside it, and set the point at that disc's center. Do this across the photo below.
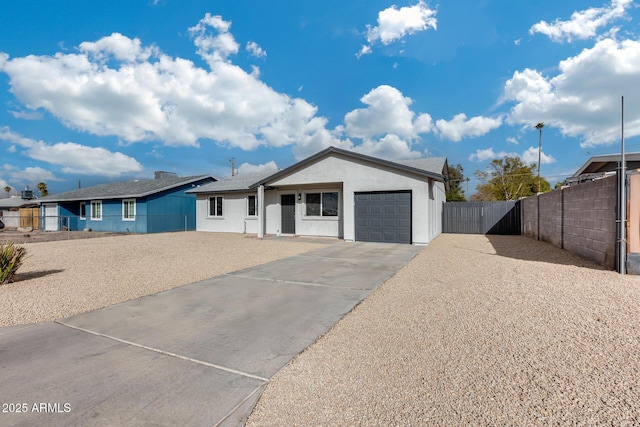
(124, 202)
(215, 216)
(255, 208)
(91, 213)
(261, 212)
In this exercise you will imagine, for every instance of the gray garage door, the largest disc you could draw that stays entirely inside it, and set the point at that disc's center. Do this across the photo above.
(383, 217)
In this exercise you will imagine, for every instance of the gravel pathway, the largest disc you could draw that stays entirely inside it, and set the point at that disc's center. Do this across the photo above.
(480, 330)
(62, 278)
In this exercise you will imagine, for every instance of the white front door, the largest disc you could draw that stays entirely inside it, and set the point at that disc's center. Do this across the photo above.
(51, 217)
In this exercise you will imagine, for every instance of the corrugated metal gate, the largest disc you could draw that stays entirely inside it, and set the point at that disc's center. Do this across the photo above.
(481, 217)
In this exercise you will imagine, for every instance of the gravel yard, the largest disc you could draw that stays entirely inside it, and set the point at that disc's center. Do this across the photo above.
(479, 330)
(67, 277)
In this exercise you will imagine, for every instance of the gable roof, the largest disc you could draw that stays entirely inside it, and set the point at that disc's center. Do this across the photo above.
(123, 190)
(434, 167)
(239, 182)
(16, 202)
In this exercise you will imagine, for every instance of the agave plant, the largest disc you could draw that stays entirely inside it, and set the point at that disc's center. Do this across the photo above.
(11, 257)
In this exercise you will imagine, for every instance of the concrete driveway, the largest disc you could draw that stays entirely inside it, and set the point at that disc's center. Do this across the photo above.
(196, 355)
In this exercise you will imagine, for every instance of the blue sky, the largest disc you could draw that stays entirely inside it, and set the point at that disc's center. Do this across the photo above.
(113, 90)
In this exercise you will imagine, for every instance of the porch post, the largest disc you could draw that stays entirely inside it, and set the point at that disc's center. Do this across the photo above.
(261, 211)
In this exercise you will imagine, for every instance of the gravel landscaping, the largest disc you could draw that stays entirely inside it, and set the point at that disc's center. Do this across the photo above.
(62, 278)
(479, 330)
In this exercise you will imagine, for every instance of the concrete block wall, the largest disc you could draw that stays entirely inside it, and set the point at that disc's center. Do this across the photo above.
(530, 217)
(551, 217)
(580, 219)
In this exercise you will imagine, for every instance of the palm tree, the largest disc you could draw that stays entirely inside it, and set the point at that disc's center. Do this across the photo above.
(539, 126)
(7, 189)
(42, 186)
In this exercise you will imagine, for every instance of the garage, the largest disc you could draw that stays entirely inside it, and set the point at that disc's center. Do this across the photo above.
(383, 217)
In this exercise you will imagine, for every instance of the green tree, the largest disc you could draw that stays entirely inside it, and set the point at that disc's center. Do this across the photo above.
(42, 187)
(456, 178)
(508, 179)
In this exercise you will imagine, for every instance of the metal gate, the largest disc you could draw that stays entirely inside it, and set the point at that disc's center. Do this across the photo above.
(481, 217)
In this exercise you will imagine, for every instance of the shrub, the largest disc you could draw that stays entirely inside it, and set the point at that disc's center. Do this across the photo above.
(11, 257)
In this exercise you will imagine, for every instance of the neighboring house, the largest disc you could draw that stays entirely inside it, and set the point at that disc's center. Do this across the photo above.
(334, 193)
(141, 206)
(10, 209)
(600, 166)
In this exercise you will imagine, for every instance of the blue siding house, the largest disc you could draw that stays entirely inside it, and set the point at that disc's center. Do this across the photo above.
(141, 206)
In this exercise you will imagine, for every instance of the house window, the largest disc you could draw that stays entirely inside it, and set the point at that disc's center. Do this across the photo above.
(215, 206)
(252, 206)
(129, 210)
(83, 210)
(96, 210)
(322, 204)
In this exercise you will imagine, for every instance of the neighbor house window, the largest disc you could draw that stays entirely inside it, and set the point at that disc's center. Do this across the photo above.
(83, 210)
(215, 206)
(322, 204)
(252, 206)
(96, 210)
(129, 210)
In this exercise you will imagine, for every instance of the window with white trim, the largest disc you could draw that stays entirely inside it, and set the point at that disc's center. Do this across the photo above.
(83, 210)
(322, 204)
(129, 210)
(96, 210)
(215, 206)
(252, 206)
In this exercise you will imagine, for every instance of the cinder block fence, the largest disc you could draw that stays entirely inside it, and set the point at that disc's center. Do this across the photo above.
(580, 219)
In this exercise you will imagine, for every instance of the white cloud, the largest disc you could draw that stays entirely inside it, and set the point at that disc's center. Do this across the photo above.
(213, 48)
(255, 49)
(33, 174)
(26, 115)
(460, 127)
(530, 156)
(365, 50)
(583, 99)
(120, 47)
(482, 155)
(265, 167)
(161, 98)
(390, 147)
(583, 24)
(512, 140)
(75, 158)
(394, 24)
(387, 112)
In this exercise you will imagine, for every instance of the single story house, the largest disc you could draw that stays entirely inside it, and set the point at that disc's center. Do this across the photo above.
(334, 193)
(140, 206)
(604, 165)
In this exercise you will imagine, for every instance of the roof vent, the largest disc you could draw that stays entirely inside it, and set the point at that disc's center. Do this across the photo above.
(165, 175)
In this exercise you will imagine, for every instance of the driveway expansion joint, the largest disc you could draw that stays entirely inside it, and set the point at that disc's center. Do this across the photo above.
(291, 282)
(166, 353)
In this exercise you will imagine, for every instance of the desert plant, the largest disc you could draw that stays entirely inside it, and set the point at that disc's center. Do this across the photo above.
(11, 257)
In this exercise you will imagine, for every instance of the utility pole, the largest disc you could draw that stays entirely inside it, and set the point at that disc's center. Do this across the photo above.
(539, 126)
(233, 166)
